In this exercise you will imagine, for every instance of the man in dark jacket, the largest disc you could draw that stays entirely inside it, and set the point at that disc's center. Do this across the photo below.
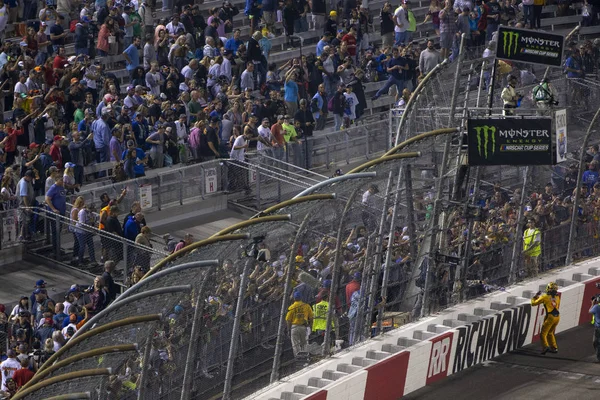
(82, 36)
(339, 104)
(226, 14)
(307, 123)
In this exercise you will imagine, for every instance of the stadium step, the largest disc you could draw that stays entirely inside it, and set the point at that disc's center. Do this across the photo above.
(516, 300)
(423, 335)
(437, 328)
(468, 317)
(482, 312)
(392, 348)
(362, 362)
(595, 271)
(580, 277)
(499, 305)
(291, 396)
(305, 389)
(453, 323)
(348, 368)
(377, 355)
(407, 342)
(318, 382)
(333, 375)
(564, 283)
(528, 294)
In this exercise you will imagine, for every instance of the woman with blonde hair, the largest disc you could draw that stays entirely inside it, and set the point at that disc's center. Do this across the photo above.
(8, 199)
(58, 340)
(69, 178)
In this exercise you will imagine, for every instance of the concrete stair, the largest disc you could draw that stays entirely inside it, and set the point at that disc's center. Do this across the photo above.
(482, 312)
(437, 328)
(318, 382)
(423, 335)
(377, 355)
(580, 277)
(564, 283)
(348, 368)
(595, 271)
(392, 348)
(499, 305)
(363, 362)
(516, 300)
(305, 389)
(333, 375)
(291, 396)
(453, 323)
(468, 318)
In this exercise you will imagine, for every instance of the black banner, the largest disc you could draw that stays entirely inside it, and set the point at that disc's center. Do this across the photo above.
(499, 141)
(530, 46)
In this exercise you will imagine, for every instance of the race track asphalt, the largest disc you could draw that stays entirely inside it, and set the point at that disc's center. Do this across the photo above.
(573, 373)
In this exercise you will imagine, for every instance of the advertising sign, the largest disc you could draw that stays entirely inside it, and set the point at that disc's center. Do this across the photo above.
(560, 118)
(9, 227)
(499, 141)
(146, 196)
(210, 180)
(527, 46)
(439, 359)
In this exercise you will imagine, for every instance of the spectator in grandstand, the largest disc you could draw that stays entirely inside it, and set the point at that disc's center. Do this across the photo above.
(23, 375)
(298, 318)
(188, 239)
(8, 368)
(112, 290)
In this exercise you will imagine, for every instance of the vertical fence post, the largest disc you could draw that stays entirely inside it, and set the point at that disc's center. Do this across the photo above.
(335, 276)
(239, 310)
(434, 225)
(180, 187)
(327, 153)
(258, 203)
(289, 273)
(159, 192)
(145, 369)
(194, 336)
(126, 250)
(516, 250)
(388, 255)
(360, 333)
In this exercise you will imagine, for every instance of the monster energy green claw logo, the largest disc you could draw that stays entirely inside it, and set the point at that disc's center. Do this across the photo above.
(487, 133)
(510, 40)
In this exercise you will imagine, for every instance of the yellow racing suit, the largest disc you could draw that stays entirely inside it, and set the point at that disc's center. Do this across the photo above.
(551, 304)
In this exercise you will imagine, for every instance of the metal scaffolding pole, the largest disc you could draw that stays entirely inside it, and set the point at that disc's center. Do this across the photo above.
(239, 310)
(434, 226)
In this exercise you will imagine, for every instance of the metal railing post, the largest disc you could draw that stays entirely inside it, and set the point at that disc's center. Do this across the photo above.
(126, 258)
(258, 204)
(145, 369)
(239, 310)
(159, 193)
(180, 187)
(512, 278)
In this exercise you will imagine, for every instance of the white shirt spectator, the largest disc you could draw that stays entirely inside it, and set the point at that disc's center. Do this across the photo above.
(238, 154)
(328, 65)
(226, 69)
(128, 29)
(247, 80)
(401, 18)
(182, 133)
(187, 72)
(71, 325)
(266, 134)
(173, 28)
(213, 74)
(20, 88)
(153, 81)
(8, 369)
(209, 51)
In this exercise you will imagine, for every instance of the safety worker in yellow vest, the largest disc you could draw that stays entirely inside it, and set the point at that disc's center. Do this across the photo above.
(319, 325)
(551, 303)
(532, 249)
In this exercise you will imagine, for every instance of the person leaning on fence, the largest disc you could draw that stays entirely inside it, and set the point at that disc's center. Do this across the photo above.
(551, 302)
(544, 96)
(532, 249)
(299, 318)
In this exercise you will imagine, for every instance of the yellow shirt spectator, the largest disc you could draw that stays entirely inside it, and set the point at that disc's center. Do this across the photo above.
(299, 313)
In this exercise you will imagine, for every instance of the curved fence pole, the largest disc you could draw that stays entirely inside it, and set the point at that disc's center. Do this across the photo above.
(143, 295)
(72, 396)
(172, 270)
(82, 356)
(24, 392)
(418, 138)
(239, 310)
(336, 179)
(413, 98)
(251, 222)
(335, 276)
(186, 389)
(582, 153)
(290, 202)
(104, 328)
(285, 299)
(192, 247)
(382, 159)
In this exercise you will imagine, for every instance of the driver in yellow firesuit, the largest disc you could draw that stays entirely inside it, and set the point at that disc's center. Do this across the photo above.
(551, 303)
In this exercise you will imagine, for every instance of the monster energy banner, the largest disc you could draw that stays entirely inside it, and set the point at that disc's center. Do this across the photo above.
(510, 141)
(529, 46)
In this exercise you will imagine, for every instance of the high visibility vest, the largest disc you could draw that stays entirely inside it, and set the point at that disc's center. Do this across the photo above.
(102, 212)
(533, 249)
(320, 316)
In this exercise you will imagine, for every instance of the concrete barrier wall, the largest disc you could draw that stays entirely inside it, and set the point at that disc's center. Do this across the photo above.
(424, 352)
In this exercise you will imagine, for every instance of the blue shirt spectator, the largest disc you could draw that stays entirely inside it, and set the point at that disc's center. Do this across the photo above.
(234, 42)
(321, 45)
(139, 169)
(574, 67)
(595, 310)
(56, 197)
(291, 91)
(590, 177)
(132, 55)
(132, 228)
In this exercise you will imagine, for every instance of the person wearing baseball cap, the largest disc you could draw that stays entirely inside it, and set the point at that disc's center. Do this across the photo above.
(331, 25)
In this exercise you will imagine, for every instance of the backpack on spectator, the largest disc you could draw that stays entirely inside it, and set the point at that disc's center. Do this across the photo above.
(330, 103)
(314, 105)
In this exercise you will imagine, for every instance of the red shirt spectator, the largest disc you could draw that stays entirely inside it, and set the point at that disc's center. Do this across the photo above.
(352, 286)
(55, 152)
(277, 132)
(10, 144)
(350, 39)
(23, 375)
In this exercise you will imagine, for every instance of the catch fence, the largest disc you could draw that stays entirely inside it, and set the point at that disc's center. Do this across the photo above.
(224, 336)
